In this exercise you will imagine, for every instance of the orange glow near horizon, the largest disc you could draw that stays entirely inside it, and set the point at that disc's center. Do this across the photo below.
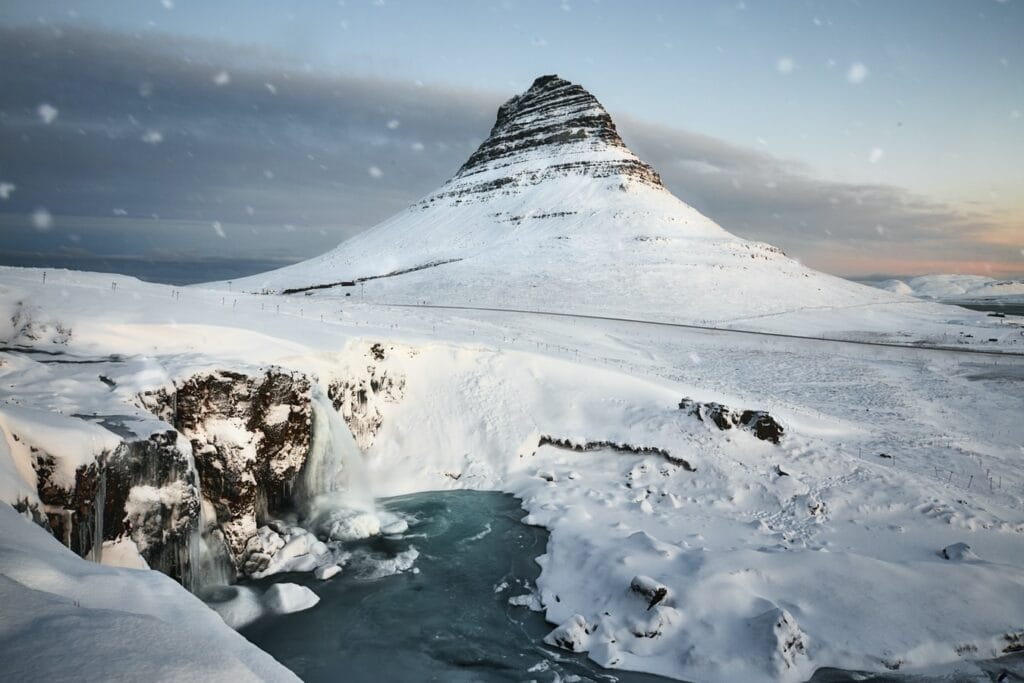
(863, 265)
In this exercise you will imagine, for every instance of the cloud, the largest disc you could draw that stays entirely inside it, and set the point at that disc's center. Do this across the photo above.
(828, 225)
(152, 147)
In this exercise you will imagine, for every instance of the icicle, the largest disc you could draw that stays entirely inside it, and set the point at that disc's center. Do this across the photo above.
(97, 517)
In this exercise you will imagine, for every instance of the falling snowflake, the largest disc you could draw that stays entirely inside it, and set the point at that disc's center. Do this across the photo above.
(271, 88)
(222, 78)
(876, 155)
(417, 147)
(857, 73)
(785, 65)
(6, 189)
(42, 220)
(219, 229)
(393, 124)
(375, 172)
(880, 229)
(168, 4)
(152, 137)
(47, 112)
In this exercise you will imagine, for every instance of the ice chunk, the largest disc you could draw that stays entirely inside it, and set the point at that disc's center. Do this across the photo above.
(327, 571)
(285, 598)
(350, 525)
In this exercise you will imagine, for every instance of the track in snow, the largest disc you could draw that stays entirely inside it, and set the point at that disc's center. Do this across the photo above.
(827, 340)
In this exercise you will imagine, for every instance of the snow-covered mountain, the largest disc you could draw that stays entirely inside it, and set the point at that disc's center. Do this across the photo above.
(554, 212)
(955, 287)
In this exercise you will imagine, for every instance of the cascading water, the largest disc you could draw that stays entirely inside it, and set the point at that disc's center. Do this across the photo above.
(334, 475)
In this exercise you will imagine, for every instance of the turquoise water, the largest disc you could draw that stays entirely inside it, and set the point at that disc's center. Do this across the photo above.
(444, 623)
(447, 622)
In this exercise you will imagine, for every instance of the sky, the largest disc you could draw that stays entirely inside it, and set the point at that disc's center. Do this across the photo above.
(864, 138)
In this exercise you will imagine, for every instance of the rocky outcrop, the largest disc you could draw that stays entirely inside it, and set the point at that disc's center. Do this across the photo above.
(250, 436)
(758, 422)
(145, 490)
(581, 446)
(778, 634)
(359, 398)
(556, 128)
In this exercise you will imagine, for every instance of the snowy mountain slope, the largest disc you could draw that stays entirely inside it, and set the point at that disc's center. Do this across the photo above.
(958, 288)
(554, 212)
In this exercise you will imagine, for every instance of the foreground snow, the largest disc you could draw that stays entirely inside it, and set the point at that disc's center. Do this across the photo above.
(824, 550)
(66, 619)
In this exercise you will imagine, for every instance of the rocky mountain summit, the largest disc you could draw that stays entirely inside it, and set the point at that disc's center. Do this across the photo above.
(554, 128)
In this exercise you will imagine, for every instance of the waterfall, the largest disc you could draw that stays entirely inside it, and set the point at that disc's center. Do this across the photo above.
(97, 512)
(334, 474)
(209, 562)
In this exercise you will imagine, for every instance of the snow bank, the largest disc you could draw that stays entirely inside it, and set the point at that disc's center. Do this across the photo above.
(108, 623)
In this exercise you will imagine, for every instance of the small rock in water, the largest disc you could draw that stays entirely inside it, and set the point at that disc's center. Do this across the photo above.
(351, 525)
(285, 598)
(326, 572)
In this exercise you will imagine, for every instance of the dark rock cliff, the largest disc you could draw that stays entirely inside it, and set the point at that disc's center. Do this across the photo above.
(250, 436)
(555, 128)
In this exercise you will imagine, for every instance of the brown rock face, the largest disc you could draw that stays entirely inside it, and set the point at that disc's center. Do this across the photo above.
(250, 436)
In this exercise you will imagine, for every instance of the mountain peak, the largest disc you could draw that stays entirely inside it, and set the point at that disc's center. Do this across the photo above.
(554, 129)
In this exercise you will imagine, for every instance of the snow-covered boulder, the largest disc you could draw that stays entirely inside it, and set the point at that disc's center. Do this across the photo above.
(573, 635)
(958, 552)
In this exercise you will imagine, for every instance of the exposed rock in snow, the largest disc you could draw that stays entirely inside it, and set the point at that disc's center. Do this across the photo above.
(31, 325)
(359, 398)
(573, 635)
(759, 422)
(569, 444)
(783, 643)
(250, 436)
(652, 591)
(958, 552)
